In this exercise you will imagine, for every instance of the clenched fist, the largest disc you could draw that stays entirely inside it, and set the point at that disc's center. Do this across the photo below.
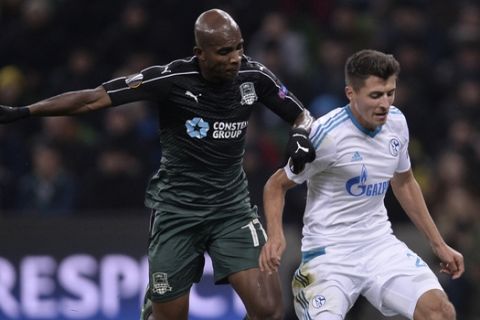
(300, 150)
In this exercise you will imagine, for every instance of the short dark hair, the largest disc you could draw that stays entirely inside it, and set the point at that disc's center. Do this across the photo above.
(367, 62)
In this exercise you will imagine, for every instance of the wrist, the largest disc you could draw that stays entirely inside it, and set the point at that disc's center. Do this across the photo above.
(304, 121)
(437, 244)
(302, 127)
(23, 112)
(275, 232)
(299, 131)
(10, 114)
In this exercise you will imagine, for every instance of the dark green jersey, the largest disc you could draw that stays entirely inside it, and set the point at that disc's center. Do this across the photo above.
(202, 131)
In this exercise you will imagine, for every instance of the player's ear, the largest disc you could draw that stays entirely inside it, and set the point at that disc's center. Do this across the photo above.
(349, 92)
(198, 52)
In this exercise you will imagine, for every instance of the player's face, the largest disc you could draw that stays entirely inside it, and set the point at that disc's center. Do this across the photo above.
(371, 102)
(220, 59)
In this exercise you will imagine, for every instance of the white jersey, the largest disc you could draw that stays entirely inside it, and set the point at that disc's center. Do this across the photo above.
(349, 178)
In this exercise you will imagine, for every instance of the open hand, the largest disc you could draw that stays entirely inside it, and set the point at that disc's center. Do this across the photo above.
(271, 254)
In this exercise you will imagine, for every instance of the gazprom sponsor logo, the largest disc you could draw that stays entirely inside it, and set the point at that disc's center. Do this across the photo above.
(228, 130)
(357, 186)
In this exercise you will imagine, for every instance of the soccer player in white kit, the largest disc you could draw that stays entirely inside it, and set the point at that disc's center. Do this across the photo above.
(348, 247)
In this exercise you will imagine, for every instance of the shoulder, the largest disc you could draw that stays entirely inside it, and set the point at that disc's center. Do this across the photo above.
(395, 112)
(397, 124)
(333, 119)
(250, 64)
(396, 117)
(255, 69)
(328, 124)
(174, 68)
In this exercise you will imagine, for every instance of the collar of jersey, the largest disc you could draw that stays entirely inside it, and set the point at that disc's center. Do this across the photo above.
(371, 133)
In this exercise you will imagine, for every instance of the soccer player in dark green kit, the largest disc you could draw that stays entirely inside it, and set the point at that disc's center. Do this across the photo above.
(199, 197)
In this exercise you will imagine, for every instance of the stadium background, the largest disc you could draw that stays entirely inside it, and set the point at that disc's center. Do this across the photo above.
(72, 221)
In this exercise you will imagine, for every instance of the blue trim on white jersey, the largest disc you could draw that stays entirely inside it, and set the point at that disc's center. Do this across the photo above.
(328, 126)
(371, 133)
(309, 255)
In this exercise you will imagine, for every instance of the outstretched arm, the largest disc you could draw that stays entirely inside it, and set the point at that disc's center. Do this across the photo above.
(408, 193)
(69, 103)
(274, 202)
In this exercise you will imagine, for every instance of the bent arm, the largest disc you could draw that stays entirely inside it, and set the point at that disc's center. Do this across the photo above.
(274, 202)
(299, 147)
(71, 103)
(409, 195)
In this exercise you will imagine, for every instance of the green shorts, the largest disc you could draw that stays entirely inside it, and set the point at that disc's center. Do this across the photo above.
(178, 244)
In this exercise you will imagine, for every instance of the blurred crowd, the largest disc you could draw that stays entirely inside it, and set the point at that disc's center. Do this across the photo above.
(99, 163)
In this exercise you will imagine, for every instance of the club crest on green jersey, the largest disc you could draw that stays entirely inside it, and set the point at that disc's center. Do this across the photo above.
(249, 96)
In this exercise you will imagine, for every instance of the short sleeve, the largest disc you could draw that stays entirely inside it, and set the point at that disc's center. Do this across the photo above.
(149, 84)
(404, 157)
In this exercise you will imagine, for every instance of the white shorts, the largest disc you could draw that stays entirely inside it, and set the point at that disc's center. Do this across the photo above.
(386, 272)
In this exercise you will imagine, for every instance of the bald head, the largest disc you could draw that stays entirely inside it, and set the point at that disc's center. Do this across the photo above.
(218, 46)
(214, 23)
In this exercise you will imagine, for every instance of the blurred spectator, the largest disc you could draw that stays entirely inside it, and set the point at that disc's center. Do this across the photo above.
(130, 34)
(116, 182)
(467, 26)
(472, 309)
(467, 102)
(457, 218)
(462, 137)
(80, 69)
(48, 189)
(12, 166)
(12, 83)
(73, 139)
(280, 48)
(35, 27)
(407, 22)
(327, 79)
(10, 10)
(413, 90)
(122, 127)
(134, 62)
(348, 23)
(115, 185)
(283, 51)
